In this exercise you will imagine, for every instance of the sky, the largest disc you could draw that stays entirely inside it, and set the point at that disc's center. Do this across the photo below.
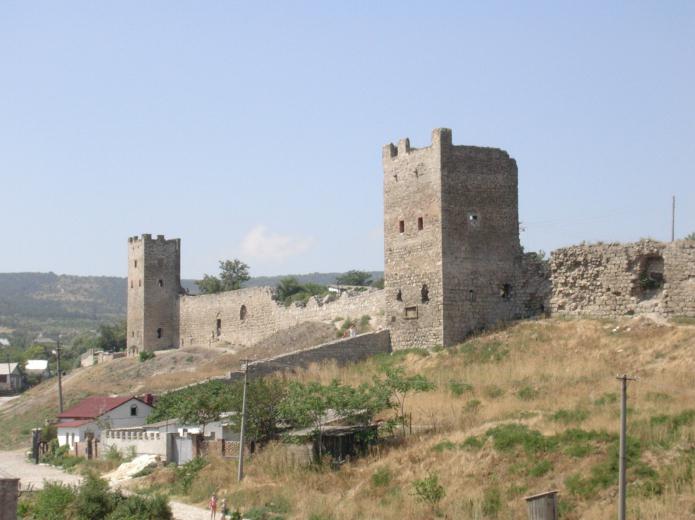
(254, 129)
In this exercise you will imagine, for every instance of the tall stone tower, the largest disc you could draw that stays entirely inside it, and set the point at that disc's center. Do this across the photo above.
(154, 285)
(453, 261)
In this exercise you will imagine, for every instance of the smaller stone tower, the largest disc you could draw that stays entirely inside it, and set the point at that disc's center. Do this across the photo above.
(154, 285)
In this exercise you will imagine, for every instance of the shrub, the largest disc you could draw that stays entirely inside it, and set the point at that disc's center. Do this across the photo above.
(50, 503)
(381, 477)
(146, 355)
(492, 502)
(429, 490)
(527, 393)
(185, 474)
(458, 388)
(94, 500)
(138, 507)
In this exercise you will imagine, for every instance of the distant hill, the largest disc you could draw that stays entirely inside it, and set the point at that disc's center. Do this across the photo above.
(47, 302)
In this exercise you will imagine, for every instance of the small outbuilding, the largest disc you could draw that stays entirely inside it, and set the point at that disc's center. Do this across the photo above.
(10, 378)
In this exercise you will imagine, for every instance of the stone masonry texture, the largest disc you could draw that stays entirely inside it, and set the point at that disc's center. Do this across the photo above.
(453, 264)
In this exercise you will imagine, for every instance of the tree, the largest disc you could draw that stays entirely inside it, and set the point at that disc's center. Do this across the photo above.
(290, 290)
(111, 338)
(354, 277)
(429, 490)
(398, 385)
(263, 398)
(691, 236)
(232, 274)
(203, 406)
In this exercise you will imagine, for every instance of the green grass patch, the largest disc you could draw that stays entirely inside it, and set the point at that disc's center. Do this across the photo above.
(527, 393)
(607, 398)
(569, 416)
(472, 443)
(493, 391)
(541, 468)
(443, 446)
(458, 388)
(381, 477)
(478, 351)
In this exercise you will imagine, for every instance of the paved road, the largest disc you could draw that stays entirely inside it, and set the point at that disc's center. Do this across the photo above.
(14, 463)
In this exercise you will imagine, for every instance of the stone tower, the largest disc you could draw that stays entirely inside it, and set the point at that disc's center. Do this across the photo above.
(154, 285)
(453, 261)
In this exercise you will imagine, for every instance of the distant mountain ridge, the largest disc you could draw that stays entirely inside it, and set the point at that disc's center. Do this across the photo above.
(49, 297)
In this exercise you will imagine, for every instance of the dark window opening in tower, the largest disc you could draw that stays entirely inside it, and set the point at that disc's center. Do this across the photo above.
(242, 313)
(420, 224)
(218, 327)
(160, 282)
(135, 263)
(131, 284)
(401, 226)
(399, 296)
(506, 291)
(425, 293)
(139, 283)
(471, 295)
(159, 333)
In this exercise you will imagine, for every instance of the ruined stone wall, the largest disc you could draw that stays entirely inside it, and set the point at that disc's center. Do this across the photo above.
(610, 280)
(249, 315)
(154, 285)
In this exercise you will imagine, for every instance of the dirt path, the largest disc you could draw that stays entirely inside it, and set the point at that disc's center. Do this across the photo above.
(32, 476)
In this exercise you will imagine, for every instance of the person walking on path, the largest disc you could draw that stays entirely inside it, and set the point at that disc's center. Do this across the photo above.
(213, 507)
(224, 510)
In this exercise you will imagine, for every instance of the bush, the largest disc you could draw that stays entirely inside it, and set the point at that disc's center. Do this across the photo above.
(429, 490)
(146, 355)
(94, 499)
(381, 477)
(458, 388)
(51, 503)
(138, 507)
(185, 474)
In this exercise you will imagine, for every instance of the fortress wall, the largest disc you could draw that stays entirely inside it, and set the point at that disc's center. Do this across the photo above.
(609, 280)
(263, 316)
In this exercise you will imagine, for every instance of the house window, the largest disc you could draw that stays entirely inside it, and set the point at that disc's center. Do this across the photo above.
(159, 332)
(242, 313)
(425, 293)
(160, 282)
(218, 327)
(401, 226)
(134, 410)
(420, 224)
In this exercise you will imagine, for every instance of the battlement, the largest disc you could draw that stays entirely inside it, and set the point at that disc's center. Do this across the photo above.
(441, 139)
(147, 237)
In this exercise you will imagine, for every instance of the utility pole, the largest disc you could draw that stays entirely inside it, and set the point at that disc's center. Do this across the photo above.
(673, 219)
(622, 480)
(240, 474)
(60, 376)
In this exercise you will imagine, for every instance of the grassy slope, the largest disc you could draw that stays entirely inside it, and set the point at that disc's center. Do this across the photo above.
(523, 375)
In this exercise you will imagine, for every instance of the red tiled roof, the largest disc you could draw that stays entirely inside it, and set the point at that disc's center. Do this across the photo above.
(94, 406)
(73, 424)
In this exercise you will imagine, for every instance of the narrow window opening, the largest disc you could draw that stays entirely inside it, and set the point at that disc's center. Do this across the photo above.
(425, 293)
(218, 327)
(139, 283)
(159, 333)
(160, 282)
(401, 226)
(506, 291)
(242, 313)
(420, 224)
(399, 296)
(135, 263)
(134, 411)
(471, 295)
(131, 284)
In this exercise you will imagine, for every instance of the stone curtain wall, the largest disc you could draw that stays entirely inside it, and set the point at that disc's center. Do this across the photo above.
(263, 316)
(343, 351)
(610, 280)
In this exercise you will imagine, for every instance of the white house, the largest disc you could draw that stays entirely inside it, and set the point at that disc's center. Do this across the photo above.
(10, 378)
(94, 414)
(37, 367)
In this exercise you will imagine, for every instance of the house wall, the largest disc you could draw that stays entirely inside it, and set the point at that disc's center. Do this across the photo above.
(143, 443)
(70, 436)
(120, 417)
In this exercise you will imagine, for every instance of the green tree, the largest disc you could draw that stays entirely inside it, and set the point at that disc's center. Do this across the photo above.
(233, 273)
(262, 407)
(290, 290)
(430, 491)
(398, 385)
(354, 277)
(111, 338)
(691, 236)
(203, 407)
(288, 287)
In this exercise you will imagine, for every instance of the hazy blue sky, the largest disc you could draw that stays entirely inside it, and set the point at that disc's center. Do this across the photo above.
(255, 129)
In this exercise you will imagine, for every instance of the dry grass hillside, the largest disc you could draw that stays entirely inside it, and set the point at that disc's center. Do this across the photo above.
(530, 408)
(168, 370)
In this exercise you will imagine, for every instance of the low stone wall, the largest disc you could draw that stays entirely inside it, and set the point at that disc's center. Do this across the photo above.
(343, 351)
(144, 443)
(609, 280)
(247, 316)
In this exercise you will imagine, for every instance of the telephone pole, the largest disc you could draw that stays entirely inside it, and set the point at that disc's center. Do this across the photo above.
(240, 474)
(60, 375)
(622, 480)
(673, 219)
